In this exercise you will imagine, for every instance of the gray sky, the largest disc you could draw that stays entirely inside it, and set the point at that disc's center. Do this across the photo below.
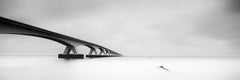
(130, 27)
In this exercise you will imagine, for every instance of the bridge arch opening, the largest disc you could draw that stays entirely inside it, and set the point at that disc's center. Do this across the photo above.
(83, 49)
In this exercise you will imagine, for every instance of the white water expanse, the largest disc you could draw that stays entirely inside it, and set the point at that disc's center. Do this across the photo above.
(119, 68)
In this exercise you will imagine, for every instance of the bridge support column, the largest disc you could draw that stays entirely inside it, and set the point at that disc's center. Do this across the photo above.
(66, 54)
(67, 50)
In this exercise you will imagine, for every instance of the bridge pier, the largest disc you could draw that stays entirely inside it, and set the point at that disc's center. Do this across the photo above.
(66, 54)
(93, 53)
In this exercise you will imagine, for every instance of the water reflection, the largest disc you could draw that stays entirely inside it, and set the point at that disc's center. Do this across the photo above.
(118, 68)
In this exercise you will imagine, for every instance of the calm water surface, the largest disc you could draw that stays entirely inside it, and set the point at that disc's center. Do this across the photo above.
(118, 68)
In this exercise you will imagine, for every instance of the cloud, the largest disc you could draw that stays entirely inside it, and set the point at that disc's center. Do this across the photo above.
(137, 27)
(222, 24)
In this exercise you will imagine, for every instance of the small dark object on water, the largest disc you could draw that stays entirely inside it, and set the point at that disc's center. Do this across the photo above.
(164, 68)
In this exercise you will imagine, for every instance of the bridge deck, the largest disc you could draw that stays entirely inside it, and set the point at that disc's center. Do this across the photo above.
(8, 26)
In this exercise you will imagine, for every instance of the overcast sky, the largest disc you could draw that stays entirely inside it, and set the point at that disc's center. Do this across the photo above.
(130, 27)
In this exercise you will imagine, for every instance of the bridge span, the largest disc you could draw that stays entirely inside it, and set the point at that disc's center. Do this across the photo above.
(8, 26)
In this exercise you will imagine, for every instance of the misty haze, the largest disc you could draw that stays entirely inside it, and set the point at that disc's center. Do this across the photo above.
(159, 39)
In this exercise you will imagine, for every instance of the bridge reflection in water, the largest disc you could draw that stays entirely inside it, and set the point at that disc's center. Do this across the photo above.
(8, 26)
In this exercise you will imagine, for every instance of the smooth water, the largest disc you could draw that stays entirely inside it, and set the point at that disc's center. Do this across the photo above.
(118, 68)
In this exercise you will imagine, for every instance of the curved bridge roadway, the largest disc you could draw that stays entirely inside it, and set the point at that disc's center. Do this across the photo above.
(8, 26)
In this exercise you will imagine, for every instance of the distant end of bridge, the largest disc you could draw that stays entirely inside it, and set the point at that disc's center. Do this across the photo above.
(8, 26)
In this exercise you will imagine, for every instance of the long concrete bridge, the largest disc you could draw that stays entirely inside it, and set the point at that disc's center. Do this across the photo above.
(8, 26)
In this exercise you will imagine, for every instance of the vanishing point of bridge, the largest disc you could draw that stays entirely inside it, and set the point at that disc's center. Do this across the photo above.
(13, 27)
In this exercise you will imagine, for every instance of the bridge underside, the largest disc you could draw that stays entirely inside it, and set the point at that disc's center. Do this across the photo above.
(13, 27)
(93, 53)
